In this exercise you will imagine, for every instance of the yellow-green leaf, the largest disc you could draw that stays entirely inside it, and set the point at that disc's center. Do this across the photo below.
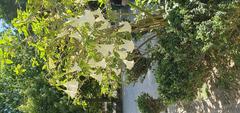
(51, 63)
(77, 36)
(96, 76)
(8, 61)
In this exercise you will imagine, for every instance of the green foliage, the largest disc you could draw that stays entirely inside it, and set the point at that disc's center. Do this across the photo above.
(8, 8)
(23, 88)
(73, 58)
(73, 48)
(140, 68)
(148, 104)
(196, 46)
(9, 94)
(39, 97)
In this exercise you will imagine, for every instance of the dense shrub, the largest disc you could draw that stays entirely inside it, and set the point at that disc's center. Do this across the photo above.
(200, 42)
(40, 97)
(148, 104)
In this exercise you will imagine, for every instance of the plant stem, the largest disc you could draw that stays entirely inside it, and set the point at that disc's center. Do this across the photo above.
(149, 39)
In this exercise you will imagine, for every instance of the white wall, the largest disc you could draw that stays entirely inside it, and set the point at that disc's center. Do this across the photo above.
(131, 92)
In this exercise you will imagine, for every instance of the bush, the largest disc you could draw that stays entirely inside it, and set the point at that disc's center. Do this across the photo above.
(148, 104)
(40, 97)
(199, 40)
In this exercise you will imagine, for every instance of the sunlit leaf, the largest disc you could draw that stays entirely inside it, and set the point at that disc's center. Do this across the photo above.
(96, 76)
(77, 36)
(202, 93)
(1, 51)
(44, 67)
(206, 47)
(72, 87)
(34, 62)
(19, 70)
(8, 61)
(63, 33)
(51, 63)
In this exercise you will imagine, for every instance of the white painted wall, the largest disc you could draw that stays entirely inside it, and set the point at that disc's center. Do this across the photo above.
(131, 92)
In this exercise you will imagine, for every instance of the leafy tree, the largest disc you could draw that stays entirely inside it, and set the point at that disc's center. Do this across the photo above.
(196, 46)
(8, 8)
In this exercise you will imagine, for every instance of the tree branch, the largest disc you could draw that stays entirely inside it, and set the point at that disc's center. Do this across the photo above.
(149, 39)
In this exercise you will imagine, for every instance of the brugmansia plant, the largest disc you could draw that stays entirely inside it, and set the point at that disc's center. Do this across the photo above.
(79, 47)
(78, 51)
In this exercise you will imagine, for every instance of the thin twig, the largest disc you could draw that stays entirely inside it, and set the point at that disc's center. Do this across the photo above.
(149, 39)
